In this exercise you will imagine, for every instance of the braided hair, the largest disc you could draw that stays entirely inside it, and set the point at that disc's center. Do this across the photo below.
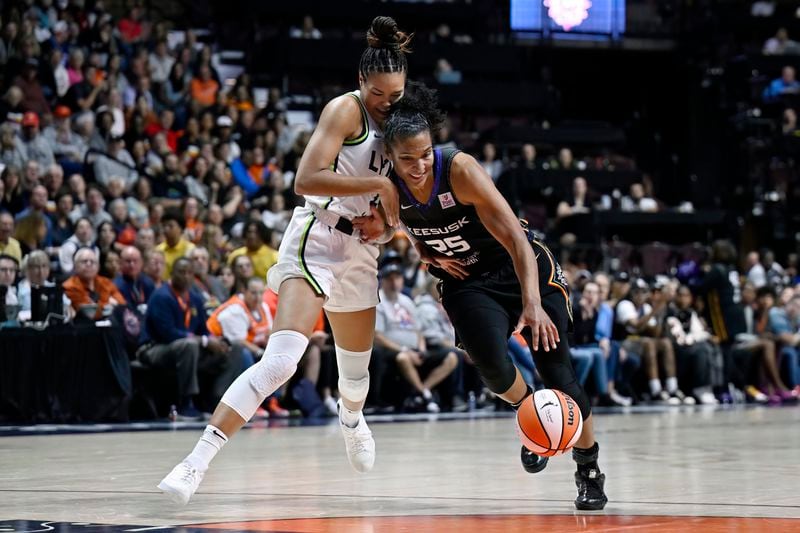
(387, 48)
(416, 112)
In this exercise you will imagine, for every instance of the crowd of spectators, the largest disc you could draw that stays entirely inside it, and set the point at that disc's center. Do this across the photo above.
(155, 194)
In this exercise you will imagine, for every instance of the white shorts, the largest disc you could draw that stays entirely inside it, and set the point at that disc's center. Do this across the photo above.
(335, 264)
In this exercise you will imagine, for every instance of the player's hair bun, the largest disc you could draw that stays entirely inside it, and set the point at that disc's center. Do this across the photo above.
(384, 33)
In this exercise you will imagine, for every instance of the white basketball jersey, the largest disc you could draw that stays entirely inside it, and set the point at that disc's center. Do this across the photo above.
(363, 156)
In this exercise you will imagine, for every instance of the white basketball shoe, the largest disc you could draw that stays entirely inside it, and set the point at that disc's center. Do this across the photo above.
(359, 443)
(181, 483)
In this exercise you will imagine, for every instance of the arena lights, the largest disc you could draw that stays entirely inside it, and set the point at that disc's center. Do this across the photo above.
(568, 13)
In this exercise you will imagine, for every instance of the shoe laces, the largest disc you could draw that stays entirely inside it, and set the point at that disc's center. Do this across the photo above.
(189, 474)
(357, 438)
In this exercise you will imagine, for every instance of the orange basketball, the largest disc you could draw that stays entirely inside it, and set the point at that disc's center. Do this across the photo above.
(549, 422)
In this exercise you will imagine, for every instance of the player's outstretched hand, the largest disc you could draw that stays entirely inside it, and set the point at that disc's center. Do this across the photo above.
(452, 266)
(542, 328)
(370, 226)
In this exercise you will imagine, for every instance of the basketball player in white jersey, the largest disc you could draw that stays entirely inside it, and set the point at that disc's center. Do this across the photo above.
(323, 263)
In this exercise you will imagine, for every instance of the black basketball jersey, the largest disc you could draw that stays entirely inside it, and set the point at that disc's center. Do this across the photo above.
(448, 226)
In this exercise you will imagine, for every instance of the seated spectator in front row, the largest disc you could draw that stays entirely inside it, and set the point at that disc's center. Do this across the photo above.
(244, 320)
(175, 337)
(784, 325)
(134, 287)
(587, 355)
(36, 268)
(694, 351)
(399, 342)
(639, 326)
(8, 273)
(86, 287)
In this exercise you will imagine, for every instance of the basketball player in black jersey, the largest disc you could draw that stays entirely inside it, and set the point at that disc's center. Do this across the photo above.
(496, 278)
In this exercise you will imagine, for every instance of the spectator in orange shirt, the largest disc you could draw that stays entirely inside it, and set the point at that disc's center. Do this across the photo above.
(204, 89)
(87, 287)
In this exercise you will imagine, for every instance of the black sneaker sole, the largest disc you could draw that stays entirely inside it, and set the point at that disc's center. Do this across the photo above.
(581, 506)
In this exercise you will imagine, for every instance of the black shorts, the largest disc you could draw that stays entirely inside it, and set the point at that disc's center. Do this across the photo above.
(485, 310)
(503, 286)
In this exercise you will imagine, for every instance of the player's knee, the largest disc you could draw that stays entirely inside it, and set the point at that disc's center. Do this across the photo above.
(284, 351)
(576, 392)
(354, 390)
(451, 361)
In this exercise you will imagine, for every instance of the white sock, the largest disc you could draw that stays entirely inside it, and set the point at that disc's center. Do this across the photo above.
(655, 386)
(211, 441)
(672, 384)
(349, 418)
(426, 393)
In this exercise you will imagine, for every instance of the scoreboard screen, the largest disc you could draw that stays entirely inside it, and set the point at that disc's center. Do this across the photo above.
(562, 18)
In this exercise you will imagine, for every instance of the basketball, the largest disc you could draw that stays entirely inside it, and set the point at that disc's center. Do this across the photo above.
(549, 422)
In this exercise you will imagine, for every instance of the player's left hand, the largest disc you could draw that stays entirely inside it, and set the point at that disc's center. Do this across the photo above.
(542, 328)
(370, 226)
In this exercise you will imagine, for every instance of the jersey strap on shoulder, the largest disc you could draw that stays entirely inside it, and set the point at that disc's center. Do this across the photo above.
(364, 123)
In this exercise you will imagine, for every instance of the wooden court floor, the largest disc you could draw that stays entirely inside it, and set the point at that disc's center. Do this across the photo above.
(693, 469)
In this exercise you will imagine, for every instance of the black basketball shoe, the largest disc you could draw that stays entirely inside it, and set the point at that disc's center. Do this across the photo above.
(591, 496)
(531, 462)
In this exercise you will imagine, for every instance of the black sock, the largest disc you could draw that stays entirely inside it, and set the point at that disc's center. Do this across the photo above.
(586, 458)
(515, 406)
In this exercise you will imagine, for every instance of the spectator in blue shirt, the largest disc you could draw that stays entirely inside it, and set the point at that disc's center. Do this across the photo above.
(175, 337)
(136, 288)
(786, 84)
(784, 324)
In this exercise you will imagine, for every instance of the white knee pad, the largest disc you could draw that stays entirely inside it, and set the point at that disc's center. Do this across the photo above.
(279, 363)
(242, 397)
(353, 374)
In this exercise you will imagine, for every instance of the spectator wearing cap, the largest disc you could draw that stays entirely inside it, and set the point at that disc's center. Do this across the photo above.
(400, 341)
(8, 244)
(28, 82)
(256, 239)
(620, 286)
(639, 325)
(67, 146)
(226, 137)
(116, 162)
(36, 147)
